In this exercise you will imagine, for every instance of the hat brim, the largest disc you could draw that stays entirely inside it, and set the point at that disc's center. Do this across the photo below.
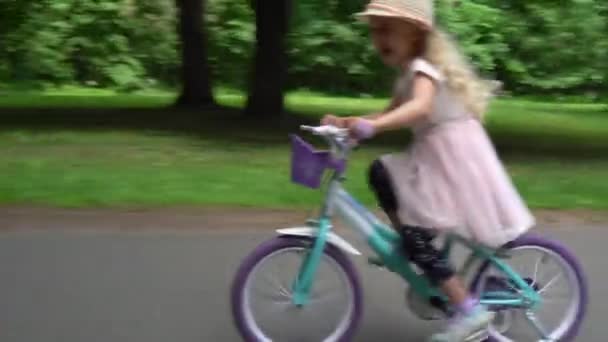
(376, 12)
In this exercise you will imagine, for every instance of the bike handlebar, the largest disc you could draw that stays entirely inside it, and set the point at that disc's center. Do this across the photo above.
(327, 131)
(338, 138)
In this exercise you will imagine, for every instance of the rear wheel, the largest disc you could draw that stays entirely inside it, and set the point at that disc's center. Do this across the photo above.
(555, 273)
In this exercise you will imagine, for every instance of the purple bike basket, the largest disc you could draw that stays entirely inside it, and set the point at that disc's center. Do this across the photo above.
(308, 164)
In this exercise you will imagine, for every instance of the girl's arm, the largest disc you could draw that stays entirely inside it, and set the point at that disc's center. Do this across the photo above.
(331, 119)
(421, 104)
(392, 105)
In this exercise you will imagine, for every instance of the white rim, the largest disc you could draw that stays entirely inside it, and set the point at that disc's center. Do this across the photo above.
(570, 316)
(250, 321)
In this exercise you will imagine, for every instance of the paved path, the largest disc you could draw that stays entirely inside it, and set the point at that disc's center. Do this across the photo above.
(103, 276)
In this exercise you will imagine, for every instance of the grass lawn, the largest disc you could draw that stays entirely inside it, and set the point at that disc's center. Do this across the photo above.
(515, 124)
(150, 167)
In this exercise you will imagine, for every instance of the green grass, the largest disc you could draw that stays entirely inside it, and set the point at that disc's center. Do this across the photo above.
(73, 97)
(234, 166)
(130, 168)
(515, 124)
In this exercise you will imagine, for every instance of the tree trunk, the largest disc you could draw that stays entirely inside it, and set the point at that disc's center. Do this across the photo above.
(269, 74)
(195, 73)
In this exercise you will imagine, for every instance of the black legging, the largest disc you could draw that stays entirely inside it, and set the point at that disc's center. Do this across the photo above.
(417, 241)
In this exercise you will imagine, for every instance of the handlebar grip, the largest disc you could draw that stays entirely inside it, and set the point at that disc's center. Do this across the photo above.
(326, 131)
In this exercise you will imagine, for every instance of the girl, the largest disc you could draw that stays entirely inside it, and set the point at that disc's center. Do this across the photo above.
(451, 178)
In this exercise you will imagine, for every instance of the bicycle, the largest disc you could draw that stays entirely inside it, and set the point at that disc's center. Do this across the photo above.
(317, 248)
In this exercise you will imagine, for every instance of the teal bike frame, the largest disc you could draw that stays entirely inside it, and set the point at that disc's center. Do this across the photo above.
(385, 242)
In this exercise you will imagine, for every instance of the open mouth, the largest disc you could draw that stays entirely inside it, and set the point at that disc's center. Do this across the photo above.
(386, 51)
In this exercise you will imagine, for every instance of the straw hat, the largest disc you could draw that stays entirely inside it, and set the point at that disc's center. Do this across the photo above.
(420, 12)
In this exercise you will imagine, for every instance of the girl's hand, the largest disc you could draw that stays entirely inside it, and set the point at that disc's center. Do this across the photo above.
(361, 129)
(333, 120)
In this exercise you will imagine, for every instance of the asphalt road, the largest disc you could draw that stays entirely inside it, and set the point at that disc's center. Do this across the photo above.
(172, 285)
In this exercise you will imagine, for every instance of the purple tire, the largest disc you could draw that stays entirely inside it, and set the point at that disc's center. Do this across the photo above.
(277, 244)
(568, 258)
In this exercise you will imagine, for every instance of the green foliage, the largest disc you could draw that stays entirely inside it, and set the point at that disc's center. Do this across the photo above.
(535, 47)
(231, 30)
(347, 62)
(153, 39)
(109, 43)
(543, 47)
(474, 25)
(555, 47)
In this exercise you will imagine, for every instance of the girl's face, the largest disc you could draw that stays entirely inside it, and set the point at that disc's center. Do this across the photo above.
(396, 40)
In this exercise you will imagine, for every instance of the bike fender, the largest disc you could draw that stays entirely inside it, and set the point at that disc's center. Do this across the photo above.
(332, 238)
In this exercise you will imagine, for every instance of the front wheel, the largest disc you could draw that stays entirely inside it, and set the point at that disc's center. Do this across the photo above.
(262, 304)
(557, 276)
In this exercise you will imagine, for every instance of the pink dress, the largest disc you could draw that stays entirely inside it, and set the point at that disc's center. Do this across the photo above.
(450, 177)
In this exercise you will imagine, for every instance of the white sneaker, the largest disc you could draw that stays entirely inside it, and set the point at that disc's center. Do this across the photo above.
(464, 328)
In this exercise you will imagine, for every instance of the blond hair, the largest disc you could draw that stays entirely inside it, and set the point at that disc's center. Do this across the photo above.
(474, 92)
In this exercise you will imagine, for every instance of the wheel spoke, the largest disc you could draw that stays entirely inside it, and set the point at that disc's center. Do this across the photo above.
(280, 306)
(280, 284)
(276, 284)
(497, 336)
(540, 329)
(274, 297)
(536, 270)
(550, 283)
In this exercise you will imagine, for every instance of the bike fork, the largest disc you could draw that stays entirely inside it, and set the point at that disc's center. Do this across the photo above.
(303, 282)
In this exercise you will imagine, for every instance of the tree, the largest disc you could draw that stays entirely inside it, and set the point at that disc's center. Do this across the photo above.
(269, 74)
(12, 16)
(196, 83)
